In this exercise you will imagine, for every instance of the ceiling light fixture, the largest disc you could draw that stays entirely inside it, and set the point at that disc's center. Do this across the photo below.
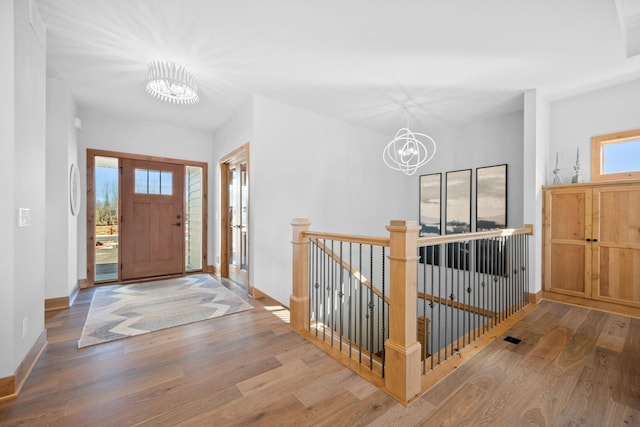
(406, 152)
(172, 83)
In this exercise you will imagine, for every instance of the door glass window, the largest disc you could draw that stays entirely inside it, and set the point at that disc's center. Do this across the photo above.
(153, 182)
(106, 214)
(193, 218)
(244, 199)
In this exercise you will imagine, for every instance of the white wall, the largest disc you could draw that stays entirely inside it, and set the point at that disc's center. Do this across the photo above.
(536, 167)
(575, 120)
(487, 141)
(28, 184)
(122, 134)
(61, 258)
(7, 210)
(307, 165)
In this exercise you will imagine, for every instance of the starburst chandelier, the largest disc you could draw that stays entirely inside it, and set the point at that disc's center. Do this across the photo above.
(172, 83)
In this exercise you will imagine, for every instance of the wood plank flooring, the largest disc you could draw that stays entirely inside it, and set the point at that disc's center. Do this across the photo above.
(574, 367)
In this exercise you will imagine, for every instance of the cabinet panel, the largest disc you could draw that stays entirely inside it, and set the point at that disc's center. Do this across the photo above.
(568, 215)
(619, 275)
(568, 268)
(619, 215)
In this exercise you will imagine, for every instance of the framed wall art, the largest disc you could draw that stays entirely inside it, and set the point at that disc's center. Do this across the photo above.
(491, 198)
(430, 202)
(458, 206)
(430, 217)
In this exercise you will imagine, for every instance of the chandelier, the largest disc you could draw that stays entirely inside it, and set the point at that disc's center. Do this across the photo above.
(172, 83)
(406, 152)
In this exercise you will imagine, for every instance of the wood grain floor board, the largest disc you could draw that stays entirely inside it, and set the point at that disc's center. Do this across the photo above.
(574, 366)
(628, 390)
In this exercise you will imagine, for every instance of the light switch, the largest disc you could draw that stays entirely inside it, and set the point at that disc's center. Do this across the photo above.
(24, 217)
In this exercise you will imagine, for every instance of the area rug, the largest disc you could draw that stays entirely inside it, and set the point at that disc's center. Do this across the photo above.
(126, 310)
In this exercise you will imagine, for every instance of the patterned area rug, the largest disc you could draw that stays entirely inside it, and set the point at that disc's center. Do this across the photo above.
(126, 310)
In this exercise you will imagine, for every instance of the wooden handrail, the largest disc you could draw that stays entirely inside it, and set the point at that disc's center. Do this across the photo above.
(365, 240)
(456, 304)
(463, 237)
(356, 274)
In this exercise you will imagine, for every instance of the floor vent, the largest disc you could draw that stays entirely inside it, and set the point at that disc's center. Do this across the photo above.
(512, 340)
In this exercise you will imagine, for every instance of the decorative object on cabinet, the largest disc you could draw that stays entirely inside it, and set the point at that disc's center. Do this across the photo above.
(576, 178)
(591, 241)
(491, 198)
(556, 173)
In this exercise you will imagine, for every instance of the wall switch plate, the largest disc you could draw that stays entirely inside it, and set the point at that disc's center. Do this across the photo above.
(24, 217)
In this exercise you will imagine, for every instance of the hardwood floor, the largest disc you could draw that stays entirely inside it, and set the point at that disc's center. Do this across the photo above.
(574, 366)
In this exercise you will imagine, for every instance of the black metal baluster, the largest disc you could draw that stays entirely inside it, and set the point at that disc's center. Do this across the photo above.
(350, 299)
(494, 281)
(325, 290)
(526, 265)
(433, 272)
(383, 305)
(371, 307)
(436, 298)
(450, 296)
(316, 285)
(423, 353)
(485, 283)
(361, 290)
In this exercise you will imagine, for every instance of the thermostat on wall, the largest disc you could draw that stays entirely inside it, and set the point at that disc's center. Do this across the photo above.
(24, 217)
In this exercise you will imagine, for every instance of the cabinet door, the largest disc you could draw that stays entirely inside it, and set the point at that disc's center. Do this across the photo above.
(616, 248)
(567, 252)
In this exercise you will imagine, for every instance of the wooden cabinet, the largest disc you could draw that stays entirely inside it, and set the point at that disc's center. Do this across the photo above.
(592, 241)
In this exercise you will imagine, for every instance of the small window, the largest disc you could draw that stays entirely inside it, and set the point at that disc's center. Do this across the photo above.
(153, 182)
(615, 156)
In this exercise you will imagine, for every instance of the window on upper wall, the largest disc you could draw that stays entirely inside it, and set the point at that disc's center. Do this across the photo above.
(615, 156)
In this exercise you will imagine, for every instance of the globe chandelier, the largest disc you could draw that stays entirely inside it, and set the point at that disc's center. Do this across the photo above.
(409, 151)
(172, 83)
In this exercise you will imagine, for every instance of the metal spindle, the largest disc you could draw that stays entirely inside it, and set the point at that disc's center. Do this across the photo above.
(350, 300)
(360, 303)
(383, 316)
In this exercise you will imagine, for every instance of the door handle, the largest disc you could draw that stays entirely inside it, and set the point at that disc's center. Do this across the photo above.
(178, 224)
(588, 240)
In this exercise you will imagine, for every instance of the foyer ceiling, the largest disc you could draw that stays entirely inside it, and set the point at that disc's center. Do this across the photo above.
(358, 61)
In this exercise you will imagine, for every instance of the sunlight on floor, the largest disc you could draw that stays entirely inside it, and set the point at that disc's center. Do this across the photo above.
(282, 313)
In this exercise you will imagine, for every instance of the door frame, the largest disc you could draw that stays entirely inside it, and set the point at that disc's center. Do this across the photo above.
(91, 205)
(239, 153)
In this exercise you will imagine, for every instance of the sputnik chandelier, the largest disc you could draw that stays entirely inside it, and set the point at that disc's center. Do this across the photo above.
(172, 83)
(406, 152)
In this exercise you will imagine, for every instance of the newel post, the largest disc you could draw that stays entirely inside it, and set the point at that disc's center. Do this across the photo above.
(402, 350)
(299, 301)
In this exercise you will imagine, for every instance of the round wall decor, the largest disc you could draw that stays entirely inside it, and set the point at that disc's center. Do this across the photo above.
(74, 189)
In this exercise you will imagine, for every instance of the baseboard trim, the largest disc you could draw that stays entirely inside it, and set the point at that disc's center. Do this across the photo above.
(257, 293)
(7, 387)
(59, 303)
(211, 269)
(82, 284)
(534, 298)
(74, 294)
(12, 385)
(608, 307)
